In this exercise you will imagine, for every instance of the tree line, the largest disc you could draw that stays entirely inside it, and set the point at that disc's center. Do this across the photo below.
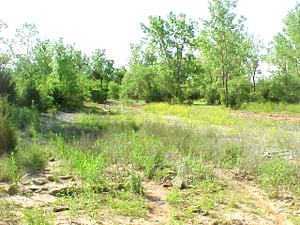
(178, 60)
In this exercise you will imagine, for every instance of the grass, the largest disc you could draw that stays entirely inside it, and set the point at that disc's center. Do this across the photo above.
(269, 107)
(113, 152)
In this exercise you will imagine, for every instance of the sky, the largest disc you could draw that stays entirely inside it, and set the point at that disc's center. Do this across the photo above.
(114, 24)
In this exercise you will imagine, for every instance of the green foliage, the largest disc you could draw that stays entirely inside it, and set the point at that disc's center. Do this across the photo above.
(9, 170)
(239, 92)
(172, 38)
(23, 117)
(36, 216)
(97, 93)
(136, 185)
(212, 95)
(284, 54)
(277, 174)
(8, 134)
(7, 85)
(114, 90)
(141, 83)
(271, 107)
(68, 91)
(31, 158)
(231, 156)
(227, 53)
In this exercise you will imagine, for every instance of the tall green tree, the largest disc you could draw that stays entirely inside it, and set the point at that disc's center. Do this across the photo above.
(225, 48)
(102, 72)
(285, 56)
(172, 38)
(68, 90)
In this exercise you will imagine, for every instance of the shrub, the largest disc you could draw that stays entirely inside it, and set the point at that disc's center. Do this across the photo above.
(7, 132)
(7, 86)
(114, 90)
(31, 159)
(23, 117)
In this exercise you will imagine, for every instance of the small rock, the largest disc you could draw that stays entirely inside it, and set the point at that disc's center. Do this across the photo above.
(38, 188)
(49, 177)
(9, 189)
(39, 181)
(167, 184)
(178, 182)
(52, 159)
(167, 181)
(47, 170)
(12, 190)
(58, 190)
(25, 182)
(61, 208)
(66, 177)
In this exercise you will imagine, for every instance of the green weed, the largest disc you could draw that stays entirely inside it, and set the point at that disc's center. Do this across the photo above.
(271, 107)
(36, 216)
(8, 169)
(277, 174)
(31, 158)
(129, 204)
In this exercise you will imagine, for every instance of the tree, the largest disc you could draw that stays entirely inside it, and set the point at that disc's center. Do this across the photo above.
(225, 48)
(141, 83)
(68, 90)
(285, 56)
(102, 70)
(172, 38)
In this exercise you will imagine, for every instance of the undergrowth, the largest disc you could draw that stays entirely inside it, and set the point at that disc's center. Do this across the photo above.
(112, 154)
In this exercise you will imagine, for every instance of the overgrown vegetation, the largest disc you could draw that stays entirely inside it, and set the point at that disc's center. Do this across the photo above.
(112, 150)
(8, 135)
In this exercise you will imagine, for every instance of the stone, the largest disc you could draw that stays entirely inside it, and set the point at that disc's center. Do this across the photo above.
(10, 189)
(66, 177)
(47, 170)
(49, 177)
(60, 208)
(178, 182)
(36, 188)
(58, 190)
(39, 181)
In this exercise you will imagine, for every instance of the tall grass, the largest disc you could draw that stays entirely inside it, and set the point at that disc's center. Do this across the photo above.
(271, 107)
(8, 136)
(204, 114)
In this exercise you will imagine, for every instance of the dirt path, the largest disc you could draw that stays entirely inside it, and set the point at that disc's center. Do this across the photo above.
(159, 208)
(272, 213)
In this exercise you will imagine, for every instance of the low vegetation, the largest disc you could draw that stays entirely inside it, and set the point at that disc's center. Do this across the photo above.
(112, 152)
(220, 147)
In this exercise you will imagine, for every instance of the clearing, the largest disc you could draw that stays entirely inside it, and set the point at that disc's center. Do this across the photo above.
(116, 182)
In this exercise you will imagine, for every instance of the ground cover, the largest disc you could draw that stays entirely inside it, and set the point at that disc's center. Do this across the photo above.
(152, 164)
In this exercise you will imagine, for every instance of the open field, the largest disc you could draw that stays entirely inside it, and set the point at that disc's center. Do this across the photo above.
(154, 164)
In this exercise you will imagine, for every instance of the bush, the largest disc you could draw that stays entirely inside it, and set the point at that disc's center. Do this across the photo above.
(98, 93)
(114, 90)
(7, 132)
(23, 117)
(7, 86)
(31, 158)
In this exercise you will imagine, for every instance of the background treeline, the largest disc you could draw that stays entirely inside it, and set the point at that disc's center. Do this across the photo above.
(178, 60)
